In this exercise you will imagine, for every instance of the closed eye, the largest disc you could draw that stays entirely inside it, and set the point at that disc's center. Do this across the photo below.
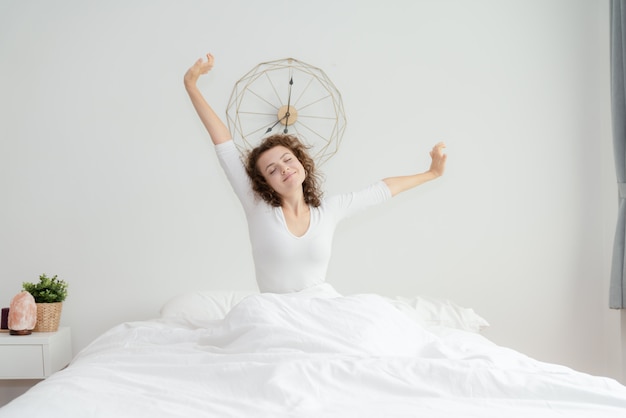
(271, 168)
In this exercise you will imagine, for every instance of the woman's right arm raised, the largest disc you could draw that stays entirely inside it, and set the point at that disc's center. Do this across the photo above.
(217, 129)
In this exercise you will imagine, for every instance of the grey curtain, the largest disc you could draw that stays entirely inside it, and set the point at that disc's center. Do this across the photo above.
(617, 295)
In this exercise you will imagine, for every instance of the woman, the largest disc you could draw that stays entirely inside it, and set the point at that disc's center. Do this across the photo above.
(290, 225)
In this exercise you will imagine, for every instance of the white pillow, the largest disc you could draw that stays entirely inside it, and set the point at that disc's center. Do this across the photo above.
(440, 312)
(215, 304)
(211, 305)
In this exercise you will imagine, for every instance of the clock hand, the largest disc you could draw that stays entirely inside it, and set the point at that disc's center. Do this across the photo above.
(276, 123)
(288, 105)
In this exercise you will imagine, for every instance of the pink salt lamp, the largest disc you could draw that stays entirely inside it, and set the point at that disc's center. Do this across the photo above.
(22, 314)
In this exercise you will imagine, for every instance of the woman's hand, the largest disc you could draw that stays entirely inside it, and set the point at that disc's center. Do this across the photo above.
(217, 129)
(438, 157)
(198, 68)
(437, 167)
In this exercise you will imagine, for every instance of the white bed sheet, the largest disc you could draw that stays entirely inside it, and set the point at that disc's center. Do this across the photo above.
(304, 356)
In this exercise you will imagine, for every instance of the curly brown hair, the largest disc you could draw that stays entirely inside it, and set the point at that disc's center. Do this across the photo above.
(311, 184)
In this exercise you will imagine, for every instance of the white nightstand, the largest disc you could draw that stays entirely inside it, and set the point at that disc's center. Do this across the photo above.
(34, 356)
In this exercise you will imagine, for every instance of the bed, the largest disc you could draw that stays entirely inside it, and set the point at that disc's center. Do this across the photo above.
(312, 354)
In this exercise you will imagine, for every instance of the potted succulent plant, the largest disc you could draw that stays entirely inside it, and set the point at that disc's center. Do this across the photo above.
(49, 294)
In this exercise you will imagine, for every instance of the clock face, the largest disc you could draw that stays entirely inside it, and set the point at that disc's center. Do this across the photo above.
(287, 96)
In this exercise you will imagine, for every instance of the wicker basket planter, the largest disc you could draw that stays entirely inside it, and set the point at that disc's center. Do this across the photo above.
(48, 317)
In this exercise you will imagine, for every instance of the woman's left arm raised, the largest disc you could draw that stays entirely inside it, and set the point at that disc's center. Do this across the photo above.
(437, 167)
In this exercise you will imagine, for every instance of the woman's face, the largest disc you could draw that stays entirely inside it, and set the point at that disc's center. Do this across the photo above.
(281, 170)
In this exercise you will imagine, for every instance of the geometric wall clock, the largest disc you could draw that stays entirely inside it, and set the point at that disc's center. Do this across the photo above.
(287, 96)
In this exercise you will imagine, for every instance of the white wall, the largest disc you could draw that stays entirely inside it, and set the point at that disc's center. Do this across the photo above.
(108, 179)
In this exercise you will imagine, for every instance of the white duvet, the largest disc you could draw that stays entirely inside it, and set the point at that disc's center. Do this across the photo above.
(303, 356)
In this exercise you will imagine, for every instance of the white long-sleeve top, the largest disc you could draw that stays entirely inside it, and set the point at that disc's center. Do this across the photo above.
(284, 262)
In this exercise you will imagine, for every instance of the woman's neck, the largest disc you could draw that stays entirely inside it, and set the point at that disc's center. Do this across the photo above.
(295, 206)
(297, 215)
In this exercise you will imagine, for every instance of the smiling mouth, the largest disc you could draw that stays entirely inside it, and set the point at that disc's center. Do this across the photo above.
(288, 176)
